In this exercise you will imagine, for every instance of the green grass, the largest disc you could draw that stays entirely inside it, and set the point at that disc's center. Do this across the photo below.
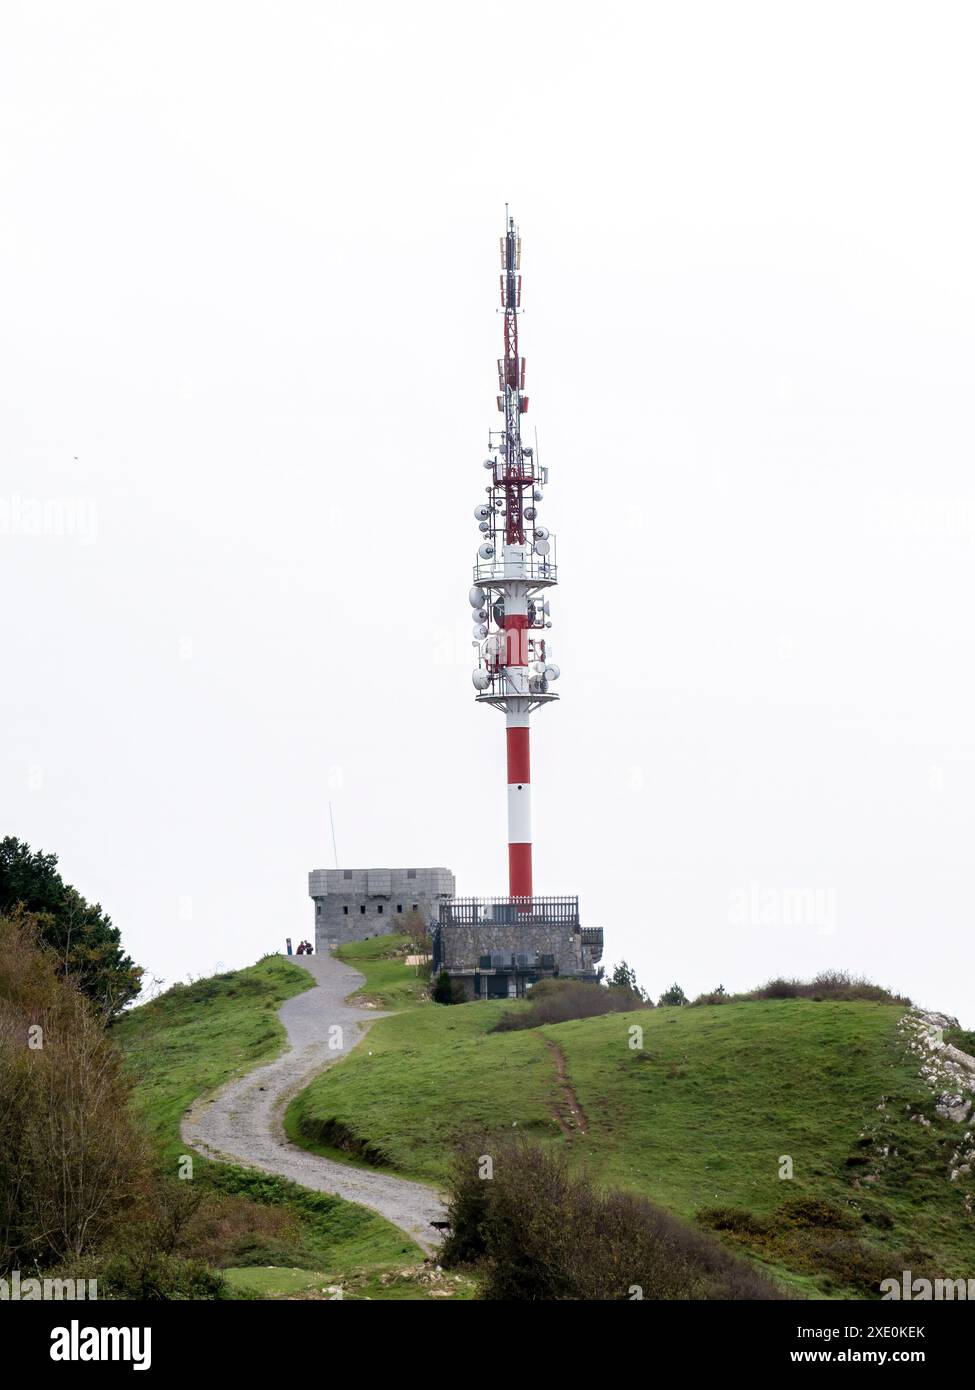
(390, 982)
(189, 1042)
(422, 1080)
(327, 1234)
(193, 1038)
(701, 1116)
(963, 1038)
(272, 1281)
(403, 1282)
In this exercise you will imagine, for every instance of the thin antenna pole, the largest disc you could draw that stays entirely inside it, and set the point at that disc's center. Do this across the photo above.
(332, 823)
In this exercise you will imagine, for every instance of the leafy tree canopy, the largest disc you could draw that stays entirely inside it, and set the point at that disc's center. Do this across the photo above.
(624, 977)
(81, 935)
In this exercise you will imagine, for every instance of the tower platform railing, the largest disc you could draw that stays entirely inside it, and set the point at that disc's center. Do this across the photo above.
(541, 911)
(537, 570)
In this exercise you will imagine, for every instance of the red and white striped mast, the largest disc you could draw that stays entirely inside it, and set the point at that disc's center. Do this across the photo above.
(515, 565)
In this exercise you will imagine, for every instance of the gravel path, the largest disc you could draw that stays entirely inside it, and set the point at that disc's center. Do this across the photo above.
(242, 1122)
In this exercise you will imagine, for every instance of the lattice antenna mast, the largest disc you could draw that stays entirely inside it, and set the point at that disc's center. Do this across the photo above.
(511, 378)
(515, 566)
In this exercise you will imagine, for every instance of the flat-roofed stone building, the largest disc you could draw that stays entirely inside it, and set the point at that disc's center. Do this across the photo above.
(352, 904)
(498, 947)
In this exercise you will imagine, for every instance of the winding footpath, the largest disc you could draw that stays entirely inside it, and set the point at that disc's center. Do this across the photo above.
(242, 1122)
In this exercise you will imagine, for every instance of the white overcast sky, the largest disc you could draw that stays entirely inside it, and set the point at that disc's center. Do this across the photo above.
(249, 289)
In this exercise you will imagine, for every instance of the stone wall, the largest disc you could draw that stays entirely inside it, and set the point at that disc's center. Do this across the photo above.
(462, 946)
(352, 904)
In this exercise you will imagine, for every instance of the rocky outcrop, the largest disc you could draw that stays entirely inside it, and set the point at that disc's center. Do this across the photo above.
(950, 1075)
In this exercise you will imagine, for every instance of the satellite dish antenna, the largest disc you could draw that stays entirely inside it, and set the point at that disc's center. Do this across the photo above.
(489, 463)
(486, 551)
(542, 547)
(480, 631)
(477, 596)
(481, 679)
(530, 513)
(541, 533)
(482, 513)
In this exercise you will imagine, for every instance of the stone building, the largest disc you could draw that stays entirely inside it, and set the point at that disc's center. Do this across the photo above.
(498, 947)
(351, 904)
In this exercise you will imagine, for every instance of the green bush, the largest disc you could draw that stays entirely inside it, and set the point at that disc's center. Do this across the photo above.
(557, 1001)
(828, 984)
(814, 1213)
(447, 991)
(814, 1235)
(158, 1276)
(537, 1232)
(736, 1219)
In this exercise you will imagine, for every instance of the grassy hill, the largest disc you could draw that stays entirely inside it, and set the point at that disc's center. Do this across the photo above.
(701, 1118)
(195, 1037)
(269, 1237)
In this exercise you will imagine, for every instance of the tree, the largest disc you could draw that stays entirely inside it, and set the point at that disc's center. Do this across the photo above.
(72, 1161)
(81, 935)
(674, 995)
(447, 991)
(624, 977)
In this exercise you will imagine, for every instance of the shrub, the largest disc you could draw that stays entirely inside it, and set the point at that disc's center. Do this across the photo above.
(85, 943)
(157, 1276)
(811, 1234)
(539, 1232)
(736, 1219)
(674, 995)
(72, 1163)
(558, 1001)
(828, 984)
(447, 991)
(715, 996)
(814, 1213)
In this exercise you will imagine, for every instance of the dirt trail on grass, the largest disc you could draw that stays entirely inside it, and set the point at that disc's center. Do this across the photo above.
(242, 1122)
(570, 1116)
